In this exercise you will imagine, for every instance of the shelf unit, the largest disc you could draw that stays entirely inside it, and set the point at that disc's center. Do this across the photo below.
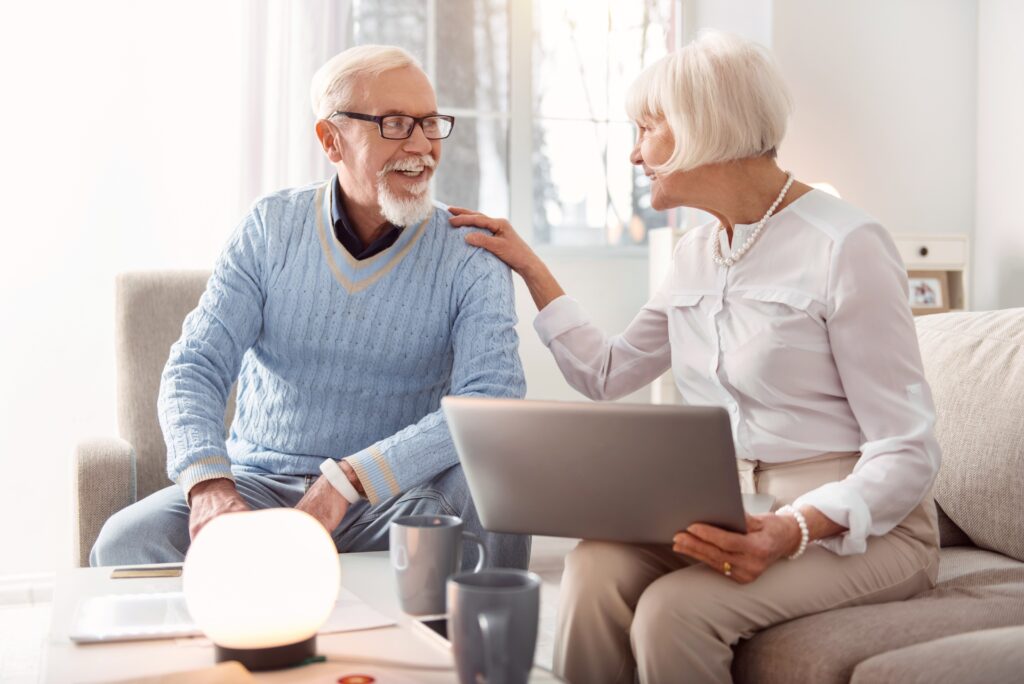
(945, 253)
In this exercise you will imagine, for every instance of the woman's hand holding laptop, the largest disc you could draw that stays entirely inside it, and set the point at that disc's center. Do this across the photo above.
(769, 537)
(744, 557)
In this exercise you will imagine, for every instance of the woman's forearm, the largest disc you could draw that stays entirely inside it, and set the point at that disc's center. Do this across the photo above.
(819, 525)
(542, 284)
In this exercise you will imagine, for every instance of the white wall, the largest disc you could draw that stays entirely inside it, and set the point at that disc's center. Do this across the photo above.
(119, 151)
(611, 290)
(999, 236)
(751, 19)
(885, 105)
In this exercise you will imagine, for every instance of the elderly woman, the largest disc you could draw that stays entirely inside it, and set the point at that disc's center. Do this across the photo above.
(790, 311)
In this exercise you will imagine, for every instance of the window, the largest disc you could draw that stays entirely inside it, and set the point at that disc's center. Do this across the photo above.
(555, 120)
(585, 56)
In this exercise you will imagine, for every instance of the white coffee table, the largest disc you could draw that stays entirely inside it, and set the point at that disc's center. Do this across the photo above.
(368, 575)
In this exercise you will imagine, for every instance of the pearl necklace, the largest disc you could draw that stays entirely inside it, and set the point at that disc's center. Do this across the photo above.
(716, 241)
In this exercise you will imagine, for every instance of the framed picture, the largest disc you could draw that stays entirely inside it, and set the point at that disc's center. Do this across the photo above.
(929, 291)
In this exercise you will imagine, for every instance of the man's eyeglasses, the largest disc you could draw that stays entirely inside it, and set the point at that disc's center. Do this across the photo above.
(400, 126)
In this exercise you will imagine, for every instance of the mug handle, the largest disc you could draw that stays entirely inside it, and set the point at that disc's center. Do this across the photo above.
(482, 556)
(494, 630)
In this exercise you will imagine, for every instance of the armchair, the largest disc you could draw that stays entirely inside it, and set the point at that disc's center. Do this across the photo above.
(111, 473)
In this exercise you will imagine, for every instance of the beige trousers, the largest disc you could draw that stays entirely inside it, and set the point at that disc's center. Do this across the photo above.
(641, 609)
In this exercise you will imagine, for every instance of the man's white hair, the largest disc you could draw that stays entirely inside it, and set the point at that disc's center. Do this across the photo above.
(722, 96)
(334, 84)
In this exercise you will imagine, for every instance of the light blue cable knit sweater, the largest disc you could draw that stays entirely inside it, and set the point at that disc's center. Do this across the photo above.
(336, 357)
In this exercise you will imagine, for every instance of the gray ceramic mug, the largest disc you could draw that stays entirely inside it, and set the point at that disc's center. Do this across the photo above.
(492, 624)
(425, 551)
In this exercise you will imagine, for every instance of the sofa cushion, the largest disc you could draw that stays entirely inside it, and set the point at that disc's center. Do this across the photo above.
(966, 567)
(993, 656)
(976, 590)
(974, 363)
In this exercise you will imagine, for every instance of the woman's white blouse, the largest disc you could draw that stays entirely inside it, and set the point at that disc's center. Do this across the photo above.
(808, 342)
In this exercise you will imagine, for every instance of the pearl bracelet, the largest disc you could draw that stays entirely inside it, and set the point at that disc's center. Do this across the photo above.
(802, 522)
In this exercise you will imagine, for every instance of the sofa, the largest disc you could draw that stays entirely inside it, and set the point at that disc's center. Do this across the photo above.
(969, 628)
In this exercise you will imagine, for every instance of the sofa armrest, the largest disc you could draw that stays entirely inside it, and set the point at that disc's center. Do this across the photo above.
(103, 482)
(993, 656)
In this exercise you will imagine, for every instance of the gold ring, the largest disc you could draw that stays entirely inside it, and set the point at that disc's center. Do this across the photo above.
(727, 568)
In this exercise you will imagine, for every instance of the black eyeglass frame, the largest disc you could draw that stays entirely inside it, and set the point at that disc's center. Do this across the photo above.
(416, 120)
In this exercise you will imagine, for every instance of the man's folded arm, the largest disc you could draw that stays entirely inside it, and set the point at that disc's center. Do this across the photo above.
(204, 362)
(486, 364)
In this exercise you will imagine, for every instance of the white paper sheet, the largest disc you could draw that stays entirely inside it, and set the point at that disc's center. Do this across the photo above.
(351, 614)
(128, 617)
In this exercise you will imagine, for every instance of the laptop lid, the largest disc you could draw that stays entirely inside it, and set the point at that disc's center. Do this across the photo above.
(618, 472)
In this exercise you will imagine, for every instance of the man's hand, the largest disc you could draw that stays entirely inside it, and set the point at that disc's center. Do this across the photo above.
(324, 503)
(211, 498)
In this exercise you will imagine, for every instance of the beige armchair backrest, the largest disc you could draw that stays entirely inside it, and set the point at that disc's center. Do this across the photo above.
(150, 309)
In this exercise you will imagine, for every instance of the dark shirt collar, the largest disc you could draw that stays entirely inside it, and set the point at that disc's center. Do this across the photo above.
(347, 235)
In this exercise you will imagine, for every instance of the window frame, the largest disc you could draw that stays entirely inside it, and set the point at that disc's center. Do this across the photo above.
(520, 120)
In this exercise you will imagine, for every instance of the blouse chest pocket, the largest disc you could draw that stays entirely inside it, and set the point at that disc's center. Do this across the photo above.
(684, 300)
(790, 317)
(690, 316)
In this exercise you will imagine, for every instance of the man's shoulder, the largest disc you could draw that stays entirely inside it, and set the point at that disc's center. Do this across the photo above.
(453, 236)
(440, 215)
(288, 199)
(454, 242)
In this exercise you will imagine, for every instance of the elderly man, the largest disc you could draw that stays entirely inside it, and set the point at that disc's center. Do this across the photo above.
(346, 310)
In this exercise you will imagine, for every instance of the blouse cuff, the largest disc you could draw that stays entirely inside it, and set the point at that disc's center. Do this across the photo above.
(844, 506)
(559, 317)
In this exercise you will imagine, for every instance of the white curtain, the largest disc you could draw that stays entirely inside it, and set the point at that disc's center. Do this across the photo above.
(119, 136)
(284, 43)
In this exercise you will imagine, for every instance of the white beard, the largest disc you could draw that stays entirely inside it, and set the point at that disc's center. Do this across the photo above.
(404, 212)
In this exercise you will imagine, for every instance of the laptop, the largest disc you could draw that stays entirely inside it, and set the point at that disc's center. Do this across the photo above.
(617, 472)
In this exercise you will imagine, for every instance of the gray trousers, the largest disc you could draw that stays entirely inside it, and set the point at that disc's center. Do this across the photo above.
(155, 530)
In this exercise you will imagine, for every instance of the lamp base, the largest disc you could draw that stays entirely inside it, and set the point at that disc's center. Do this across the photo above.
(271, 658)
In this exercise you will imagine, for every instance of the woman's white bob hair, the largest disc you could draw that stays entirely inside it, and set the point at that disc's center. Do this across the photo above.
(722, 96)
(334, 84)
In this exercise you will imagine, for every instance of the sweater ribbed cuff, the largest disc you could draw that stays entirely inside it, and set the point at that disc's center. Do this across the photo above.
(375, 475)
(206, 468)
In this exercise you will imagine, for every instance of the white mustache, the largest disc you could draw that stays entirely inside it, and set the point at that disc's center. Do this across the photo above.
(408, 164)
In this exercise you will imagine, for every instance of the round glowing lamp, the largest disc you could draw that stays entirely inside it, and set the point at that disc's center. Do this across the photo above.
(260, 584)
